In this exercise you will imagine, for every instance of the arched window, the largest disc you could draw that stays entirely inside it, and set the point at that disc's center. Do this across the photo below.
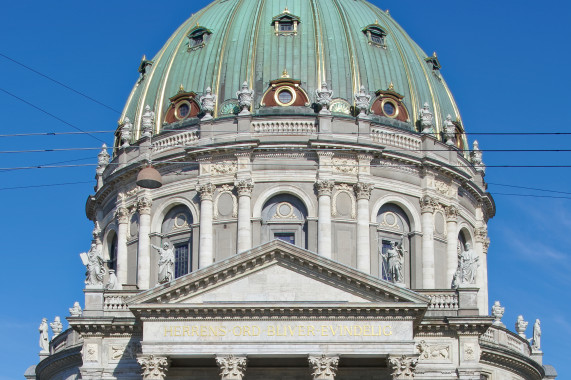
(284, 217)
(176, 228)
(112, 263)
(393, 244)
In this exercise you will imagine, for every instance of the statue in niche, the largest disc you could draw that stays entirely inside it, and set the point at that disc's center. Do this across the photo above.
(468, 263)
(93, 261)
(166, 262)
(393, 260)
(536, 344)
(44, 339)
(426, 119)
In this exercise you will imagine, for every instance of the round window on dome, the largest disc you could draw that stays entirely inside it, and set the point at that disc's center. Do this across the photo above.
(182, 110)
(390, 108)
(285, 96)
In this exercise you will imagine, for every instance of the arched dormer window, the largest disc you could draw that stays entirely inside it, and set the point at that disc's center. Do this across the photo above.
(388, 103)
(285, 24)
(376, 35)
(284, 217)
(183, 106)
(198, 37)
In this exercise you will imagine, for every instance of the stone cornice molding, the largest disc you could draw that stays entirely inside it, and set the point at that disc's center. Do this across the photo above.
(154, 367)
(206, 191)
(324, 367)
(324, 187)
(104, 326)
(470, 325)
(231, 367)
(57, 362)
(511, 361)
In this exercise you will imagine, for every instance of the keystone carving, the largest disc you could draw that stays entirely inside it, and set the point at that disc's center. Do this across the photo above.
(231, 367)
(154, 367)
(324, 367)
(402, 366)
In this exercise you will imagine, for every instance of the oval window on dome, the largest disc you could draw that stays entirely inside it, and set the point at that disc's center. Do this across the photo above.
(182, 110)
(390, 108)
(285, 96)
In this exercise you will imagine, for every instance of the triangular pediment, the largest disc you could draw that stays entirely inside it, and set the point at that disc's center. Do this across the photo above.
(278, 273)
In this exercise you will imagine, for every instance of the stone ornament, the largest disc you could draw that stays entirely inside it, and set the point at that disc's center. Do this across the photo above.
(44, 339)
(126, 133)
(166, 262)
(402, 367)
(148, 122)
(96, 233)
(498, 313)
(363, 190)
(231, 367)
(208, 102)
(324, 367)
(536, 343)
(206, 191)
(154, 367)
(433, 352)
(129, 351)
(449, 131)
(362, 101)
(224, 167)
(244, 187)
(468, 263)
(144, 204)
(226, 189)
(323, 97)
(76, 310)
(91, 353)
(426, 120)
(94, 263)
(451, 213)
(476, 158)
(427, 204)
(340, 189)
(521, 326)
(113, 282)
(56, 326)
(103, 158)
(469, 352)
(245, 99)
(324, 187)
(345, 166)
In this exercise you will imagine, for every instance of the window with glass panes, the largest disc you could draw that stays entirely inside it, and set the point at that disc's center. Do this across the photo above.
(182, 259)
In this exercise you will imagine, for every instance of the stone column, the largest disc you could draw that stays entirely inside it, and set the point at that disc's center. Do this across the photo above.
(427, 205)
(144, 262)
(154, 367)
(481, 248)
(245, 188)
(363, 191)
(324, 367)
(451, 243)
(324, 189)
(231, 367)
(402, 367)
(205, 250)
(122, 263)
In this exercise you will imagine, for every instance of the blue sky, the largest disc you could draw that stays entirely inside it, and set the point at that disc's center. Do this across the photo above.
(506, 62)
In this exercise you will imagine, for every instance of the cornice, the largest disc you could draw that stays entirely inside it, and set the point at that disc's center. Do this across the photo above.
(511, 361)
(59, 362)
(104, 326)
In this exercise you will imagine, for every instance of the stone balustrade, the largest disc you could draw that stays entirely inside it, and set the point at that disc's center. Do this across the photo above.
(177, 140)
(501, 337)
(286, 127)
(442, 302)
(394, 139)
(67, 339)
(116, 300)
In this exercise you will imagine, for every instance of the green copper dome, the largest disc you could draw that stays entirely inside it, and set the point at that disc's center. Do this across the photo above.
(346, 43)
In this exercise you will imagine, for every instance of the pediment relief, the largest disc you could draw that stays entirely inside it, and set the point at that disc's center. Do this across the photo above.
(278, 274)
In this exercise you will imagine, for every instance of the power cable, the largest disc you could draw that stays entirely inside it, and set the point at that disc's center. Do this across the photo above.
(528, 188)
(53, 133)
(49, 114)
(45, 185)
(60, 83)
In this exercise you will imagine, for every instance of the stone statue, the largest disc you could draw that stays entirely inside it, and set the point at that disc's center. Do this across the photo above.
(323, 98)
(521, 326)
(94, 264)
(536, 345)
(476, 158)
(245, 98)
(394, 258)
(56, 326)
(147, 122)
(166, 262)
(449, 131)
(126, 133)
(76, 310)
(44, 339)
(498, 313)
(113, 282)
(467, 267)
(426, 120)
(362, 101)
(208, 101)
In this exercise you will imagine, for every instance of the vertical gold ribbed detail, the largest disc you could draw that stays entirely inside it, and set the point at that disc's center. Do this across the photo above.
(319, 45)
(216, 89)
(254, 43)
(352, 60)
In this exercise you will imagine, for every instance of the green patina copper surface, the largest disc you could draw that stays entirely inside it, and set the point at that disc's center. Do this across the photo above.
(330, 45)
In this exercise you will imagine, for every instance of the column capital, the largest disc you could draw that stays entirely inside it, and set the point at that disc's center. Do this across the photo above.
(324, 187)
(144, 204)
(427, 204)
(402, 367)
(231, 367)
(206, 191)
(154, 367)
(245, 187)
(481, 234)
(324, 367)
(122, 214)
(451, 213)
(363, 190)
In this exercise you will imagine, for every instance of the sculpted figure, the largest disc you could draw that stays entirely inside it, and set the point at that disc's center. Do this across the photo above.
(394, 257)
(76, 310)
(166, 262)
(113, 283)
(426, 119)
(245, 99)
(44, 340)
(323, 98)
(536, 345)
(208, 101)
(468, 263)
(93, 261)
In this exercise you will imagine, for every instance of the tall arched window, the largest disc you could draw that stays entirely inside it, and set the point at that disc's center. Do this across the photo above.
(284, 217)
(176, 228)
(112, 263)
(393, 244)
